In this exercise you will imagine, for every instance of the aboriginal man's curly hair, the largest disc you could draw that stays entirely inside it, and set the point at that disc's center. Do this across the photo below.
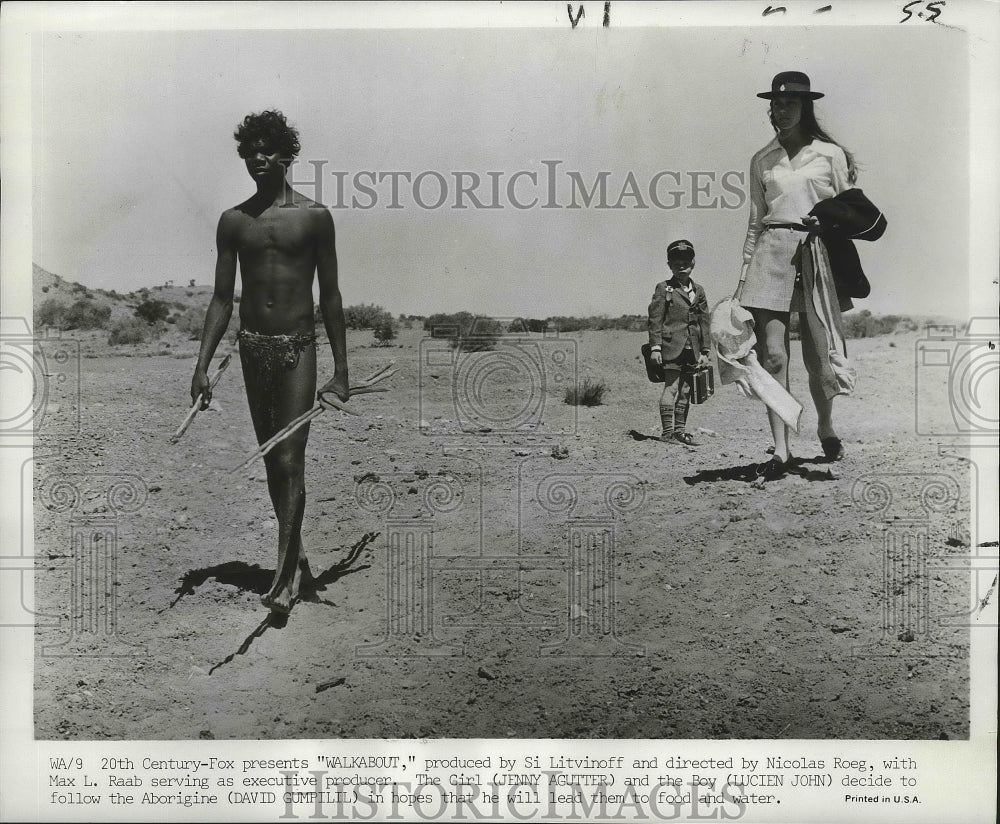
(271, 129)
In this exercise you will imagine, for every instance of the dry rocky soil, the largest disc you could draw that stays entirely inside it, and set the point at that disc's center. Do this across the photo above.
(493, 562)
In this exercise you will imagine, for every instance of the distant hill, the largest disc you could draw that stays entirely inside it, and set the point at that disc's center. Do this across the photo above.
(49, 286)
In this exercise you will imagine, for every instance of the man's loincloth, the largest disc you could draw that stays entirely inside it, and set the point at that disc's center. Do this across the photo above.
(274, 352)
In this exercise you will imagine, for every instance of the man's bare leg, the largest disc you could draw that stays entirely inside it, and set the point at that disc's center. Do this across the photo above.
(276, 398)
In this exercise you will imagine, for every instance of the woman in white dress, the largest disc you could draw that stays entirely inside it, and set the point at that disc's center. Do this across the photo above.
(800, 167)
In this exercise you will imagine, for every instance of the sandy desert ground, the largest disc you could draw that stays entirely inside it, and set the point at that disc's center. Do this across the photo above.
(515, 582)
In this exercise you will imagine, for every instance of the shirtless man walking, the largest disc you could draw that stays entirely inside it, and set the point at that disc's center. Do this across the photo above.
(281, 238)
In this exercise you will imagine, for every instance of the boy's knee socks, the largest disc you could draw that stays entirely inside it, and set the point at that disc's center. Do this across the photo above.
(667, 422)
(680, 414)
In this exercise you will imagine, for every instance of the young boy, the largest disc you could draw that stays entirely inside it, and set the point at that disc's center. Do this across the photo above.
(679, 338)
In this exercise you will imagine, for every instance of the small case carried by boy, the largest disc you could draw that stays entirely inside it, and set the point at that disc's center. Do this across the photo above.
(702, 381)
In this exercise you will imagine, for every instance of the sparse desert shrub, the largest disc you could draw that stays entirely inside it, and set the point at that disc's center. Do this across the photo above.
(629, 323)
(567, 324)
(465, 331)
(87, 314)
(521, 325)
(385, 331)
(152, 311)
(50, 314)
(866, 325)
(81, 314)
(129, 330)
(589, 393)
(192, 322)
(365, 316)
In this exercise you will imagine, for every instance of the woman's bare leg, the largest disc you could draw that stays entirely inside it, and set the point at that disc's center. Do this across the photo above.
(772, 352)
(824, 405)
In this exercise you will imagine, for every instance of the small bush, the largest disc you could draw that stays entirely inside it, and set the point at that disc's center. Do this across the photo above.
(365, 316)
(465, 331)
(629, 323)
(83, 313)
(87, 314)
(129, 330)
(152, 311)
(385, 332)
(589, 393)
(50, 314)
(192, 322)
(522, 325)
(866, 325)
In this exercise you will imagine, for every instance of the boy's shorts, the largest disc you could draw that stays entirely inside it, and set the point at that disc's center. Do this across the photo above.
(683, 362)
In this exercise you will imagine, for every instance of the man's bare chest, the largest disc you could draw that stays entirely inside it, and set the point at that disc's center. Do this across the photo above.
(284, 231)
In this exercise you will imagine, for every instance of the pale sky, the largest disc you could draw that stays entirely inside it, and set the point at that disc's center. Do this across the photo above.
(134, 159)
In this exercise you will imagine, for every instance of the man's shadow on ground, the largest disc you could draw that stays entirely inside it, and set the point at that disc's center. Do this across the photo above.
(252, 578)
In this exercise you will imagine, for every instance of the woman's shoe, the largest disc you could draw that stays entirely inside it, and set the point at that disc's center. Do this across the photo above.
(772, 470)
(833, 448)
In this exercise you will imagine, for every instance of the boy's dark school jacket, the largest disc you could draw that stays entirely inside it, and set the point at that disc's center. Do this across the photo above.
(673, 322)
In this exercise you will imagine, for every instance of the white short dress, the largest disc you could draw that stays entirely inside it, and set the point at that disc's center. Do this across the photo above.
(782, 191)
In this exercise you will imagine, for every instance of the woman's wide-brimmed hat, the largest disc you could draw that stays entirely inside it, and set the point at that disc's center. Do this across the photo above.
(791, 83)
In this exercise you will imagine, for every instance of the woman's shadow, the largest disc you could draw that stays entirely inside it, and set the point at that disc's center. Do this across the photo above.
(751, 473)
(252, 578)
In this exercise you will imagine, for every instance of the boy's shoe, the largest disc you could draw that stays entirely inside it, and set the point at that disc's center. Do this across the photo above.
(686, 438)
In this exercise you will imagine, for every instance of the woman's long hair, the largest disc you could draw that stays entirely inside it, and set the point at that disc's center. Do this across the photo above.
(810, 126)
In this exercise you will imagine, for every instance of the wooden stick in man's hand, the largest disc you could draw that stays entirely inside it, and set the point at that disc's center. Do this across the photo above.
(364, 387)
(361, 388)
(197, 403)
